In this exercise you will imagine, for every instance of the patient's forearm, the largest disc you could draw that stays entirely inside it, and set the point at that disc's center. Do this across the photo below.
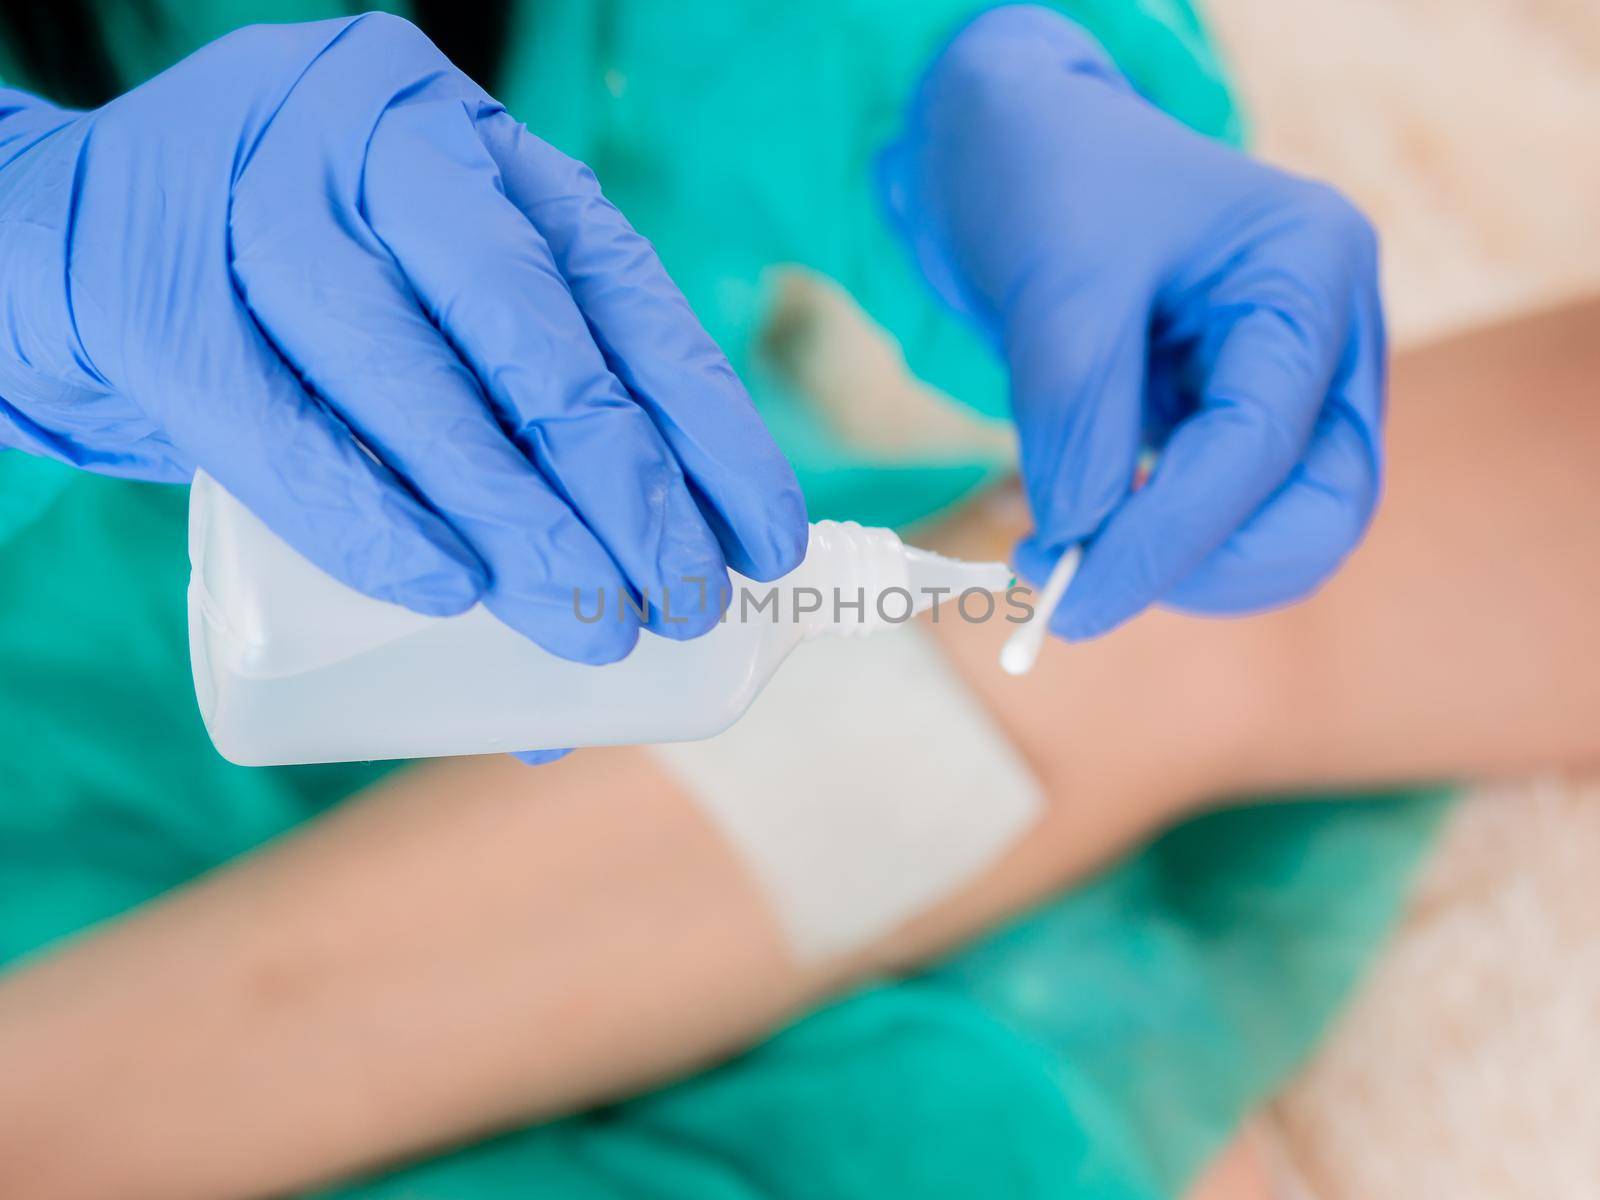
(1464, 637)
(1461, 638)
(471, 944)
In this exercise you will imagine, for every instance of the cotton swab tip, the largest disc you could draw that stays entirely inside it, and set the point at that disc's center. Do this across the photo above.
(1022, 648)
(1019, 653)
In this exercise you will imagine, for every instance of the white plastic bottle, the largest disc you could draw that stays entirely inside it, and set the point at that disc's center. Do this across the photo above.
(291, 666)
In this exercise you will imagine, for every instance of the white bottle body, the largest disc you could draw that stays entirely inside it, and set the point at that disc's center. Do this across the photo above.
(291, 666)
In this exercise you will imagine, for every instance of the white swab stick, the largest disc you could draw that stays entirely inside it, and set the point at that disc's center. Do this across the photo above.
(1022, 648)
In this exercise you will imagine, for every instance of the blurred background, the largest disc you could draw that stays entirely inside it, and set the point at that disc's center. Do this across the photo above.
(1470, 131)
(1466, 128)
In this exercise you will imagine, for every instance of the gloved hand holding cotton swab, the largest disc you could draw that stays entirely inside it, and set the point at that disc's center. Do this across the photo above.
(1022, 648)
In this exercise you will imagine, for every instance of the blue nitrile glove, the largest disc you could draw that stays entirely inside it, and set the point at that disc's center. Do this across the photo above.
(319, 262)
(1148, 288)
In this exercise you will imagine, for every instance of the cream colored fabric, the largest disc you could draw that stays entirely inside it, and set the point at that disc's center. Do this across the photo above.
(1468, 129)
(1469, 1067)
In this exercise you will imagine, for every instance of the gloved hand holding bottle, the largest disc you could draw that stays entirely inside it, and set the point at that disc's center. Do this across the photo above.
(320, 263)
(1148, 287)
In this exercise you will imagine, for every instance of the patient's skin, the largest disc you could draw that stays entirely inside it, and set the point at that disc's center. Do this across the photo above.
(475, 944)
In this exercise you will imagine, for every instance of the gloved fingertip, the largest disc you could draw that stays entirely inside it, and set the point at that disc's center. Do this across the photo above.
(1035, 557)
(594, 627)
(680, 626)
(776, 543)
(1095, 605)
(1008, 32)
(445, 592)
(791, 537)
(693, 606)
(1079, 616)
(421, 565)
(607, 641)
(538, 758)
(1075, 623)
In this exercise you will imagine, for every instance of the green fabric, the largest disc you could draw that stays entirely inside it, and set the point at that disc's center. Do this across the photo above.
(738, 136)
(109, 791)
(1100, 1048)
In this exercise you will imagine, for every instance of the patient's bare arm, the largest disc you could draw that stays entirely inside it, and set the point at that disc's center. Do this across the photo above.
(475, 944)
(1459, 641)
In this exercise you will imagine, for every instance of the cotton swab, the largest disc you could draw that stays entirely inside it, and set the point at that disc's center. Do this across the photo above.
(1022, 648)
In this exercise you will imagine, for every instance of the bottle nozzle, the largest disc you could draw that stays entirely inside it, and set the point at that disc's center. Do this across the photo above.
(934, 574)
(879, 581)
